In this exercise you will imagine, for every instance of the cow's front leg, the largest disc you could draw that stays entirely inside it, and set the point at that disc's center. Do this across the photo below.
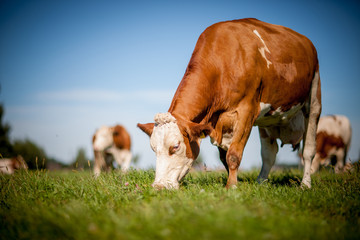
(242, 131)
(269, 149)
(340, 161)
(233, 160)
(99, 162)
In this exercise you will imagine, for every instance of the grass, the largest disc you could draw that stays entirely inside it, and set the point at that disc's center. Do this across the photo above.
(74, 205)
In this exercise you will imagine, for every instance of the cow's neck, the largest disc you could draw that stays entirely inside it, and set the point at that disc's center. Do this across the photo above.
(194, 98)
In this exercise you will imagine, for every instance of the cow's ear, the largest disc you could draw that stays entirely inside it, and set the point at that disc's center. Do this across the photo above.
(146, 128)
(199, 130)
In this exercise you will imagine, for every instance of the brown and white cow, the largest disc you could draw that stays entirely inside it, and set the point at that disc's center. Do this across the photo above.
(10, 165)
(242, 73)
(114, 141)
(332, 142)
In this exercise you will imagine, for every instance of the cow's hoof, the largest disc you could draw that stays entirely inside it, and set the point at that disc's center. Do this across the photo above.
(305, 185)
(231, 186)
(262, 180)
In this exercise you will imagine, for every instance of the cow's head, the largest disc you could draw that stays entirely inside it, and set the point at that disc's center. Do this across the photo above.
(176, 144)
(103, 138)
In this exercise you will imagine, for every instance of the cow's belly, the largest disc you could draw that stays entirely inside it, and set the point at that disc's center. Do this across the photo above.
(277, 117)
(288, 126)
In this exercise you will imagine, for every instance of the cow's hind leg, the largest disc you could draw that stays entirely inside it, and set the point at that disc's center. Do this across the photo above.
(122, 157)
(315, 165)
(269, 149)
(312, 112)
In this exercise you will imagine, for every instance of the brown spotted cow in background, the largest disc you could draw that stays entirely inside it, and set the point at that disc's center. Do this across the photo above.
(242, 73)
(10, 165)
(113, 141)
(332, 142)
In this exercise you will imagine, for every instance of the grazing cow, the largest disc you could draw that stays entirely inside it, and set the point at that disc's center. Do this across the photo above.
(242, 73)
(9, 165)
(113, 141)
(332, 142)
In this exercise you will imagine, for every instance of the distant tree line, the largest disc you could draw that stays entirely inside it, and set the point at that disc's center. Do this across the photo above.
(34, 155)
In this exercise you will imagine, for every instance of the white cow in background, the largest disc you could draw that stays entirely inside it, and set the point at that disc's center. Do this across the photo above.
(113, 141)
(333, 139)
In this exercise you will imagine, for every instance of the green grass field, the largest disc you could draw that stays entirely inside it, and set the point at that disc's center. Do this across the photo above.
(74, 205)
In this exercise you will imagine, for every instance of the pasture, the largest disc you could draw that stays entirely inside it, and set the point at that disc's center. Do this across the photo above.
(75, 205)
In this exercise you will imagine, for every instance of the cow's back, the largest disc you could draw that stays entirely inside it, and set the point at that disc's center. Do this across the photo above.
(279, 60)
(246, 58)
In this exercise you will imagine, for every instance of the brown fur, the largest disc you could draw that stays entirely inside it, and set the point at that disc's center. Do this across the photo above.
(121, 138)
(325, 142)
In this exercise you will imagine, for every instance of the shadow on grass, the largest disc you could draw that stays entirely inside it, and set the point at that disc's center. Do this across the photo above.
(286, 178)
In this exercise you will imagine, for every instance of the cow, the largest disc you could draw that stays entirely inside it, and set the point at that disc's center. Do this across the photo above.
(114, 141)
(332, 142)
(10, 165)
(242, 73)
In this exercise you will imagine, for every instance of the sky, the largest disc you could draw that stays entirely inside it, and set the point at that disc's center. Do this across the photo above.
(69, 67)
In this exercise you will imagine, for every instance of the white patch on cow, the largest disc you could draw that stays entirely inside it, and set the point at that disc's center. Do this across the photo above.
(263, 49)
(225, 141)
(170, 168)
(103, 138)
(264, 109)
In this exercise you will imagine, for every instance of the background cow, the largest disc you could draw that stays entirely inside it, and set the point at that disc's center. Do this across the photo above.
(113, 141)
(242, 73)
(9, 165)
(332, 142)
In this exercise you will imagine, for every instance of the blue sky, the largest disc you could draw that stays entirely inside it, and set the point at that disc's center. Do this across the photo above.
(68, 67)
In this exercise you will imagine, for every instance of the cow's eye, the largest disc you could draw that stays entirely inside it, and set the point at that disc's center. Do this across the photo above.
(177, 147)
(174, 149)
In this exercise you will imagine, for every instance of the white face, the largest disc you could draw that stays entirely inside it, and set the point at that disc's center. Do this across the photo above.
(168, 144)
(103, 139)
